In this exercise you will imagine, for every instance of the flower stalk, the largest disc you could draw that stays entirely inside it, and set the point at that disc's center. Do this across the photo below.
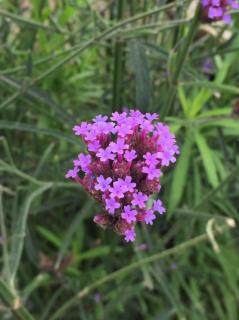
(14, 303)
(182, 55)
(219, 229)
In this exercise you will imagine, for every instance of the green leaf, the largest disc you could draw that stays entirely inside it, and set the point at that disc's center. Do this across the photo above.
(181, 173)
(140, 66)
(216, 112)
(11, 125)
(183, 100)
(197, 182)
(226, 123)
(20, 230)
(49, 236)
(207, 159)
(71, 230)
(94, 253)
(41, 96)
(199, 101)
(212, 86)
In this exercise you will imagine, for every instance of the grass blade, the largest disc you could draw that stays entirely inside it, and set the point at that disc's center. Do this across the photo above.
(11, 125)
(180, 173)
(20, 231)
(141, 70)
(207, 159)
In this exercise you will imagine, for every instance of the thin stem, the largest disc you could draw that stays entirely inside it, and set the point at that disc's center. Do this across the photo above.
(7, 150)
(211, 85)
(4, 239)
(20, 232)
(85, 46)
(135, 265)
(158, 26)
(52, 56)
(14, 303)
(179, 64)
(217, 189)
(31, 23)
(118, 63)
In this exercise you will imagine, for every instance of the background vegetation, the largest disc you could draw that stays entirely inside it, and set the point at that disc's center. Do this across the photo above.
(62, 62)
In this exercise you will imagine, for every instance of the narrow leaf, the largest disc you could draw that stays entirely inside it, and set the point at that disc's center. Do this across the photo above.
(207, 159)
(181, 173)
(141, 70)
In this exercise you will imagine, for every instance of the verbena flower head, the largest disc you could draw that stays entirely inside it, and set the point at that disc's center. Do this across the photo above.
(215, 10)
(126, 154)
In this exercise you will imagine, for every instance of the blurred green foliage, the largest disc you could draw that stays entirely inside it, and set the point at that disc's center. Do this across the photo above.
(62, 62)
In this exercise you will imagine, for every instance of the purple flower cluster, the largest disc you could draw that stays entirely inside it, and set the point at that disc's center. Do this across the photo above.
(218, 9)
(126, 154)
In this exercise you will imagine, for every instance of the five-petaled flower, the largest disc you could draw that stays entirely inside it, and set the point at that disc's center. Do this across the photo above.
(129, 214)
(139, 199)
(111, 205)
(102, 183)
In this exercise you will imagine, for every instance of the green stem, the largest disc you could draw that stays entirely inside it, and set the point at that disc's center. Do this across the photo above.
(31, 23)
(85, 46)
(135, 265)
(14, 303)
(118, 63)
(179, 65)
(169, 24)
(224, 182)
(4, 239)
(20, 232)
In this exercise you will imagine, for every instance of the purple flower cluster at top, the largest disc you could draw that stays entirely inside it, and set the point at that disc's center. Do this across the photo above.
(218, 9)
(126, 154)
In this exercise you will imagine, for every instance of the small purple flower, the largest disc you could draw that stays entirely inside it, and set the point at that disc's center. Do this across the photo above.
(130, 155)
(119, 117)
(97, 297)
(146, 125)
(129, 214)
(137, 116)
(130, 235)
(173, 266)
(105, 154)
(207, 66)
(152, 172)
(118, 189)
(123, 129)
(151, 116)
(91, 136)
(151, 159)
(119, 146)
(218, 9)
(157, 206)
(166, 157)
(102, 127)
(72, 173)
(149, 217)
(227, 18)
(83, 162)
(94, 146)
(111, 205)
(128, 185)
(81, 129)
(100, 118)
(103, 184)
(139, 199)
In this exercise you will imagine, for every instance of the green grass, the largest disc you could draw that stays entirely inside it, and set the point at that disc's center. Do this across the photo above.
(62, 62)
